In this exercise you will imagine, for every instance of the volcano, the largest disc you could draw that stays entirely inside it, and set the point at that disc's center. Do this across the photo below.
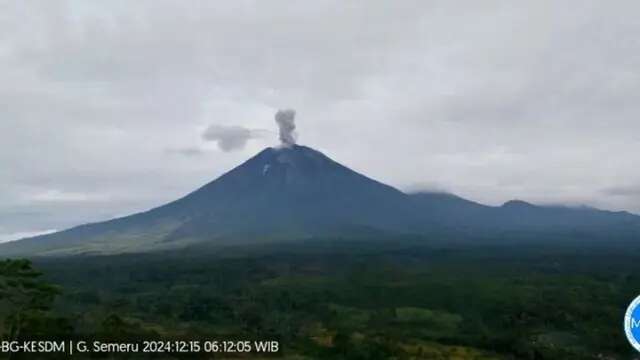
(295, 192)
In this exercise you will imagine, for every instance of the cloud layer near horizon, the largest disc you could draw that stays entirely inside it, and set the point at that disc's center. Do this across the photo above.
(103, 103)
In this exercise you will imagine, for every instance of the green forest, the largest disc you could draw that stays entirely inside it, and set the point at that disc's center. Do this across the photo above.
(335, 299)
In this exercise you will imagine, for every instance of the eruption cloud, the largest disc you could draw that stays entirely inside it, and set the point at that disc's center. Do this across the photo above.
(286, 123)
(229, 138)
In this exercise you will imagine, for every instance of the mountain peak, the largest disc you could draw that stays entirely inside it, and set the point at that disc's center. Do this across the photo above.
(290, 164)
(517, 204)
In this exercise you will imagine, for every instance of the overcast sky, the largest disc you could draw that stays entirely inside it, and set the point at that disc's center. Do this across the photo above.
(112, 107)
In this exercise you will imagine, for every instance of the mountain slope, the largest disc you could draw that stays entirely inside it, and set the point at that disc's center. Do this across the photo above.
(279, 193)
(284, 190)
(455, 213)
(298, 192)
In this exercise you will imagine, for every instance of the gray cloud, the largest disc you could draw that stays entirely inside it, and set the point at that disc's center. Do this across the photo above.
(191, 151)
(495, 100)
(625, 191)
(230, 138)
(426, 187)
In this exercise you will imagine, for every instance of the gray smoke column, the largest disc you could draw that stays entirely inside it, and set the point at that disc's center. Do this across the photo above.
(287, 123)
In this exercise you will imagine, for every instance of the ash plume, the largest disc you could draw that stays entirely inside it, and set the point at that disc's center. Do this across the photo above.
(230, 138)
(286, 123)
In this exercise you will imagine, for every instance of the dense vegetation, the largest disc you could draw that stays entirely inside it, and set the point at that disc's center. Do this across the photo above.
(355, 300)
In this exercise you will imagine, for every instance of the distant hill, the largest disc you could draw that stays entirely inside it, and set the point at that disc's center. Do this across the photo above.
(297, 192)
